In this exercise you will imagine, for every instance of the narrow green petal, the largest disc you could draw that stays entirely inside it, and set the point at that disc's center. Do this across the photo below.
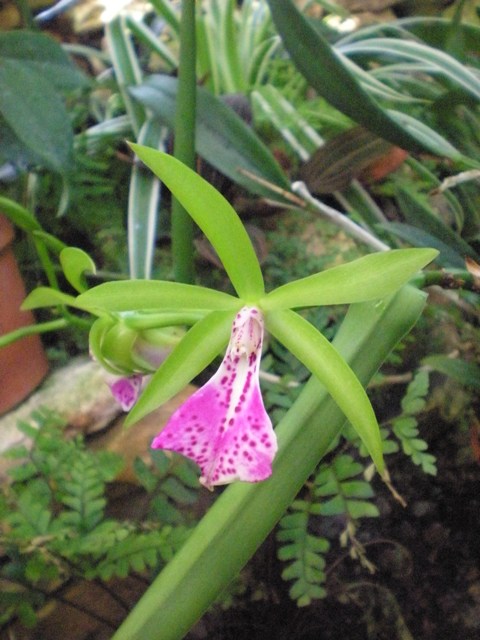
(200, 345)
(129, 295)
(215, 217)
(317, 354)
(374, 276)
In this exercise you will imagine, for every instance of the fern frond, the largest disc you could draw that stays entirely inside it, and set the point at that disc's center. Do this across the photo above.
(304, 552)
(136, 552)
(346, 493)
(405, 426)
(83, 495)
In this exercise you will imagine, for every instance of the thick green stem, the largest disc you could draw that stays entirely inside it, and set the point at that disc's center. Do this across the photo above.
(244, 514)
(184, 146)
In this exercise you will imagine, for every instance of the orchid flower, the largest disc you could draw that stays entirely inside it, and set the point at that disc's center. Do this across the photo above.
(223, 426)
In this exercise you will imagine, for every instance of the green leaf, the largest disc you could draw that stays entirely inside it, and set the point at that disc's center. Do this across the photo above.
(327, 74)
(43, 55)
(441, 62)
(368, 278)
(75, 263)
(215, 217)
(317, 354)
(200, 345)
(222, 138)
(447, 257)
(143, 206)
(463, 371)
(333, 507)
(357, 489)
(129, 295)
(361, 509)
(419, 213)
(36, 113)
(47, 297)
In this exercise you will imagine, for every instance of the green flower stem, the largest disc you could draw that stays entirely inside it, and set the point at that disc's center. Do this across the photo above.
(243, 515)
(448, 280)
(184, 146)
(32, 329)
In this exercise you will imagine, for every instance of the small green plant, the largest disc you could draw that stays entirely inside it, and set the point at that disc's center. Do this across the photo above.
(337, 490)
(55, 524)
(405, 426)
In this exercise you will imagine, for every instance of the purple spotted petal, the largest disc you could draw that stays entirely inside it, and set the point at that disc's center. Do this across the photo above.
(126, 390)
(223, 426)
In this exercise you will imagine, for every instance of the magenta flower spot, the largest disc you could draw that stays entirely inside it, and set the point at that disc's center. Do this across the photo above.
(223, 426)
(126, 390)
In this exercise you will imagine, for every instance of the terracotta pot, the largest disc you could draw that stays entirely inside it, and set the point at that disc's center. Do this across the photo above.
(23, 364)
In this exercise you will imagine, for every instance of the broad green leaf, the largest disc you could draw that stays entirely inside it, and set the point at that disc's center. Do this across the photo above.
(129, 295)
(322, 68)
(43, 55)
(314, 351)
(371, 277)
(200, 345)
(36, 114)
(75, 263)
(215, 217)
(47, 297)
(222, 138)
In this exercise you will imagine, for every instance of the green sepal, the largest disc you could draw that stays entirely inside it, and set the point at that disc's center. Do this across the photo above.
(200, 345)
(130, 295)
(96, 337)
(371, 277)
(312, 349)
(215, 217)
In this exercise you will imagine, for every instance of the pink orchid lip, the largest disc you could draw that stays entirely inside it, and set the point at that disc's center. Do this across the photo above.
(223, 426)
(126, 390)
